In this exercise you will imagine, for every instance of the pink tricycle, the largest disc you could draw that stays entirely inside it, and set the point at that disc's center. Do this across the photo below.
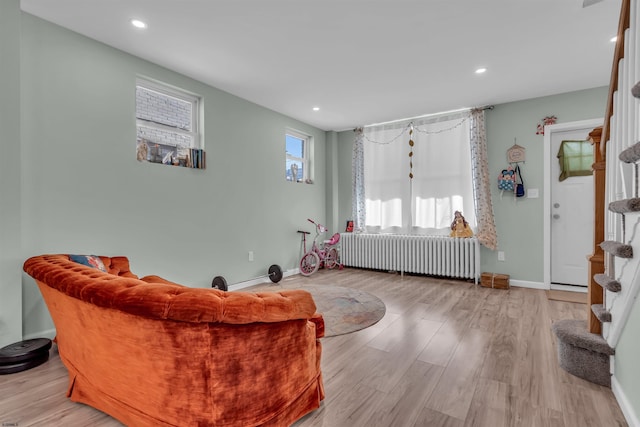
(325, 255)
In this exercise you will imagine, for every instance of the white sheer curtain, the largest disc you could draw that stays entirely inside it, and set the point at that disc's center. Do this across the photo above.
(442, 175)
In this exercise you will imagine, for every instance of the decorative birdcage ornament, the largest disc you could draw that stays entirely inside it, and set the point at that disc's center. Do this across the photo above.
(411, 152)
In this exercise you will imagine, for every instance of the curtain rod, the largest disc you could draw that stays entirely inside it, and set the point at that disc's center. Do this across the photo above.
(486, 107)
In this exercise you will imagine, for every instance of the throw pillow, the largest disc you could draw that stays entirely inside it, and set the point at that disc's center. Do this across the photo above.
(89, 260)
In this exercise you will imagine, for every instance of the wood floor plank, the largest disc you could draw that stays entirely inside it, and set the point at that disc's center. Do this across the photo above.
(444, 343)
(537, 371)
(352, 373)
(501, 359)
(403, 404)
(401, 354)
(523, 414)
(412, 329)
(582, 407)
(490, 404)
(489, 304)
(428, 417)
(349, 408)
(456, 387)
(447, 353)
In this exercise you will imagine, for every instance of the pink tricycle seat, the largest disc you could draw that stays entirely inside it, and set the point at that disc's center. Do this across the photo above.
(333, 240)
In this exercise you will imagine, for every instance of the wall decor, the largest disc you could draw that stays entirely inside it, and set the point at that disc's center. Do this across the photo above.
(516, 153)
(549, 120)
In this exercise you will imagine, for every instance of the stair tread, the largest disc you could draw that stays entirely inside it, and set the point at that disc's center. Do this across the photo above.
(618, 249)
(630, 154)
(635, 90)
(626, 205)
(607, 282)
(601, 312)
(575, 332)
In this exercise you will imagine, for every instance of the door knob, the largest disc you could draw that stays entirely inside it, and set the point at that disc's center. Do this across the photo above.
(556, 216)
(556, 205)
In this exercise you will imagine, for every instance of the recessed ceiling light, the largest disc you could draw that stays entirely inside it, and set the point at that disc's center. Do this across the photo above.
(613, 39)
(316, 108)
(481, 70)
(138, 23)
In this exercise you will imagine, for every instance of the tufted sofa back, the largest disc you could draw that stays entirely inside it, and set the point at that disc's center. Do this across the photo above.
(156, 298)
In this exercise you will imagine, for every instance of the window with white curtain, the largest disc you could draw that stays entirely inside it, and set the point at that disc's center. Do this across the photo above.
(442, 180)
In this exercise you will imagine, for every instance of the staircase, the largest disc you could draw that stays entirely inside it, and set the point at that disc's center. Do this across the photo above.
(581, 352)
(586, 348)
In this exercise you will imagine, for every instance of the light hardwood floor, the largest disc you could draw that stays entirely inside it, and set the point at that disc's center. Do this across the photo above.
(446, 353)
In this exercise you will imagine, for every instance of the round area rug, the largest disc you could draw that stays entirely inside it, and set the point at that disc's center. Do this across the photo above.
(345, 310)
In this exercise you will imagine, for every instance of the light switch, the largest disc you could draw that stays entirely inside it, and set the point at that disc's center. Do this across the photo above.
(532, 193)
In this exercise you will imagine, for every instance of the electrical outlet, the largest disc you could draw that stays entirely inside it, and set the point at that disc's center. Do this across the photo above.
(500, 256)
(250, 255)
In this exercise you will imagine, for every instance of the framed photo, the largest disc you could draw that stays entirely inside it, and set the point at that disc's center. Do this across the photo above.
(349, 228)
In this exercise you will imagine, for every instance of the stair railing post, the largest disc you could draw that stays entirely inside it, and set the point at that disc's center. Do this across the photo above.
(596, 260)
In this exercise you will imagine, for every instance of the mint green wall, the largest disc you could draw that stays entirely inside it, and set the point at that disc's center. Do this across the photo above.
(519, 224)
(84, 192)
(10, 246)
(333, 182)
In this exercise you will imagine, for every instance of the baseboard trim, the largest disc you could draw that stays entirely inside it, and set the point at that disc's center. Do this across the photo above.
(625, 405)
(528, 284)
(569, 288)
(49, 333)
(259, 280)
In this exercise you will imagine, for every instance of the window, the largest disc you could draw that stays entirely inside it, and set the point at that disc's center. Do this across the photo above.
(576, 158)
(439, 163)
(298, 157)
(168, 125)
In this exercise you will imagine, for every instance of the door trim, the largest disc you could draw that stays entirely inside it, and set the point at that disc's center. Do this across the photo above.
(548, 131)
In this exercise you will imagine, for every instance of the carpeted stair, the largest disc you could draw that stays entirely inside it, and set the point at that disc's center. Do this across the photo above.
(618, 249)
(582, 353)
(601, 313)
(635, 90)
(607, 282)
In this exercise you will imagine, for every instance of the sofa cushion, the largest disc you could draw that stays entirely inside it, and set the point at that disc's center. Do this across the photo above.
(118, 266)
(89, 260)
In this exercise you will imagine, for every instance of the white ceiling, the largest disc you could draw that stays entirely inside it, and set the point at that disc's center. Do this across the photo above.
(360, 61)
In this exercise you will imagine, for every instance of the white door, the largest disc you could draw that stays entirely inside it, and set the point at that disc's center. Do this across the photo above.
(572, 217)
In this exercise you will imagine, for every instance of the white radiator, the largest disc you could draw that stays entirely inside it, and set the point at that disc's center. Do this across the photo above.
(432, 255)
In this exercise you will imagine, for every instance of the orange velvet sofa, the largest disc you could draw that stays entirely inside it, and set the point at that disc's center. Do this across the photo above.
(150, 352)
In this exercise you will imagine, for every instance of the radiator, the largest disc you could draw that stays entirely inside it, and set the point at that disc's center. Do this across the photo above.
(431, 255)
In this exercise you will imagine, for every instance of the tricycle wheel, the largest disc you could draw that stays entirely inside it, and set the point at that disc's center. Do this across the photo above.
(309, 263)
(331, 258)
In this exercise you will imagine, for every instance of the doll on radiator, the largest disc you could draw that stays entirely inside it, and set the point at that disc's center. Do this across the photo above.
(460, 227)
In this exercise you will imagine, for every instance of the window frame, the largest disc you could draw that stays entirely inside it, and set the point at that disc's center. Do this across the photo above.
(171, 91)
(307, 156)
